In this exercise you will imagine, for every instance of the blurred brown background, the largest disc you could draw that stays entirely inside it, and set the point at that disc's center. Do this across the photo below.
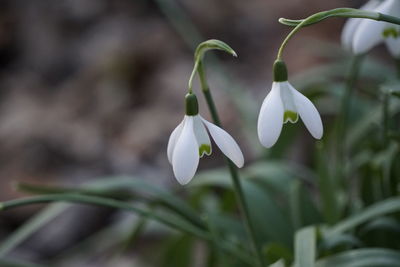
(93, 88)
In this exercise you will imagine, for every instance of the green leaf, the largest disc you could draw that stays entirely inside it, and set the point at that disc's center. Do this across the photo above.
(363, 258)
(17, 263)
(178, 252)
(387, 224)
(378, 209)
(275, 252)
(280, 263)
(341, 241)
(305, 247)
(31, 226)
(270, 221)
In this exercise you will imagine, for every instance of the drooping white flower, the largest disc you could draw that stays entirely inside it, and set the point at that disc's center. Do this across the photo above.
(190, 141)
(361, 35)
(284, 104)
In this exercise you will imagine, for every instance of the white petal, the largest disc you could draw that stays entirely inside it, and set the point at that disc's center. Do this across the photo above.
(225, 143)
(201, 136)
(172, 139)
(308, 113)
(185, 158)
(351, 25)
(368, 35)
(270, 119)
(393, 45)
(348, 32)
(370, 32)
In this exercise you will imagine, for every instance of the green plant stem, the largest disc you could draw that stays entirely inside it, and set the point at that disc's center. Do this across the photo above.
(385, 118)
(343, 121)
(232, 168)
(347, 98)
(112, 203)
(337, 12)
(291, 34)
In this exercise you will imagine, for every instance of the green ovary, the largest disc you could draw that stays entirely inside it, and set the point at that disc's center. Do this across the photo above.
(204, 149)
(290, 116)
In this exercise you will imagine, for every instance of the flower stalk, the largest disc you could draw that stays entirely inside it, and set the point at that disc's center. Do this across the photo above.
(243, 207)
(338, 12)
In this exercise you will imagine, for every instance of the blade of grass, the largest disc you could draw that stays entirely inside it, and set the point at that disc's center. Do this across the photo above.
(305, 247)
(363, 258)
(17, 263)
(174, 223)
(382, 208)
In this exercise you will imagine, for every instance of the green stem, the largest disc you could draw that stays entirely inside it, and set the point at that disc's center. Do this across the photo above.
(292, 33)
(385, 117)
(112, 203)
(397, 62)
(346, 103)
(190, 84)
(338, 12)
(343, 121)
(232, 169)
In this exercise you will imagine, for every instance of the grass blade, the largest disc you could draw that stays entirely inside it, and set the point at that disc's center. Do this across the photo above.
(305, 247)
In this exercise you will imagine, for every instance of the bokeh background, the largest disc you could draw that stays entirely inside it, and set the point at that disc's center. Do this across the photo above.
(93, 88)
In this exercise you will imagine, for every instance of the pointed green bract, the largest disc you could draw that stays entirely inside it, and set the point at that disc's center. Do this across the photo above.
(204, 149)
(212, 44)
(291, 116)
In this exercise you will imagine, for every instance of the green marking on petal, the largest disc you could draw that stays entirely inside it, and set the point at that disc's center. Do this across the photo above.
(204, 149)
(290, 116)
(390, 32)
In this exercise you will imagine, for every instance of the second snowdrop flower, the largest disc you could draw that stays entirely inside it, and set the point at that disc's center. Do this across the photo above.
(190, 141)
(361, 35)
(284, 104)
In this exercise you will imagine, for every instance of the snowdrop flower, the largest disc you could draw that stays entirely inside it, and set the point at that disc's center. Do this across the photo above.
(361, 35)
(190, 141)
(284, 104)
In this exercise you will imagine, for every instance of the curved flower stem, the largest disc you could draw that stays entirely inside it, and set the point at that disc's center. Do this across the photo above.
(112, 203)
(342, 151)
(337, 12)
(232, 168)
(290, 35)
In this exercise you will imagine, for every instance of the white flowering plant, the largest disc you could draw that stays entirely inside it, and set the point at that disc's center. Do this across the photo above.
(340, 206)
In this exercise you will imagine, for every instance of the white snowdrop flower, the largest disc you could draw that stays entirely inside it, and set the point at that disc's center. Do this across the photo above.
(352, 24)
(361, 35)
(284, 104)
(190, 141)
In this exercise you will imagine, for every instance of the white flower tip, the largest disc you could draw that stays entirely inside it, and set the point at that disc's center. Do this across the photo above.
(183, 180)
(240, 163)
(318, 135)
(267, 142)
(226, 143)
